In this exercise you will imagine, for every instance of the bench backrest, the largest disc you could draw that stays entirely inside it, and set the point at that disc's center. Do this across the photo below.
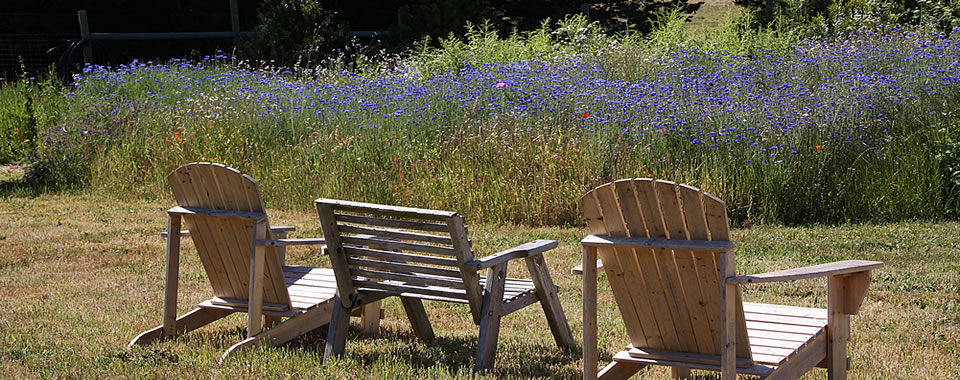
(399, 251)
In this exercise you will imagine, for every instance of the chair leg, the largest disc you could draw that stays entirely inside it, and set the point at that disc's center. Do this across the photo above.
(547, 293)
(490, 317)
(337, 331)
(192, 320)
(287, 330)
(619, 370)
(418, 318)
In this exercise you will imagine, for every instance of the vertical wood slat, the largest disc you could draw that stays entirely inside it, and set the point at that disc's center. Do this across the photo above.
(719, 226)
(346, 291)
(212, 267)
(612, 224)
(676, 293)
(471, 279)
(220, 280)
(636, 226)
(230, 237)
(667, 315)
(172, 276)
(255, 296)
(704, 311)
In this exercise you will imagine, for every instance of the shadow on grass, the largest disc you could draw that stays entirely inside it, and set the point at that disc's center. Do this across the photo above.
(453, 353)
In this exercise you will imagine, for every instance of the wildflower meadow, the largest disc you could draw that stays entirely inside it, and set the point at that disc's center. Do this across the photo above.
(856, 128)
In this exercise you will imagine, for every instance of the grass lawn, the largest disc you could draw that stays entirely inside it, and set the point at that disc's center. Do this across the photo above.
(81, 275)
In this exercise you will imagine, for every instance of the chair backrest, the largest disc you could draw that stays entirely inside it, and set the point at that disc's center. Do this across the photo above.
(224, 244)
(399, 251)
(669, 300)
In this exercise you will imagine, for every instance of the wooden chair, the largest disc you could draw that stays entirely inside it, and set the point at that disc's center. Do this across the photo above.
(224, 215)
(667, 253)
(425, 255)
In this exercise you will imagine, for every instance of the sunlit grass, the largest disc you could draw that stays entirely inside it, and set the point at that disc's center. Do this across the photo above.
(82, 275)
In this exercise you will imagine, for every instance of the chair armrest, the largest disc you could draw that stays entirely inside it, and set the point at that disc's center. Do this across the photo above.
(274, 229)
(532, 248)
(286, 242)
(821, 270)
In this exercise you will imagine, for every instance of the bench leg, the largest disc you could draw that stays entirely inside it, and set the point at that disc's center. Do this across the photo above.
(547, 293)
(490, 317)
(418, 318)
(337, 331)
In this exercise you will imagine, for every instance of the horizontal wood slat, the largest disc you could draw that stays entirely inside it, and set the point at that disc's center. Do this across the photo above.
(404, 268)
(397, 257)
(407, 279)
(390, 244)
(408, 212)
(401, 288)
(395, 223)
(396, 234)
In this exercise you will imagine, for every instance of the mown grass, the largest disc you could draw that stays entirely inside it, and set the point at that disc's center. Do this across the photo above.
(82, 275)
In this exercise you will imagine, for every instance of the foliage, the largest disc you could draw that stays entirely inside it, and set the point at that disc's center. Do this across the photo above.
(292, 32)
(17, 127)
(823, 132)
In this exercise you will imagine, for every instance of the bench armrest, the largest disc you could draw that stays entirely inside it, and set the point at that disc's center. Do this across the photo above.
(813, 271)
(532, 248)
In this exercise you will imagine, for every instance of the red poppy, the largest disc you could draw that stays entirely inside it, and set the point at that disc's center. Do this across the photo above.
(586, 115)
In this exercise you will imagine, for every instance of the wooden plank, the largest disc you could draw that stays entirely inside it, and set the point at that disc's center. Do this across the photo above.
(288, 330)
(621, 273)
(408, 279)
(370, 208)
(820, 270)
(716, 214)
(517, 301)
(803, 360)
(242, 303)
(775, 343)
(711, 292)
(659, 244)
(546, 292)
(681, 357)
(392, 244)
(674, 328)
(620, 370)
(784, 320)
(405, 268)
(370, 318)
(838, 329)
(633, 280)
(464, 253)
(190, 321)
(397, 257)
(855, 289)
(777, 327)
(404, 288)
(395, 223)
(673, 219)
(419, 321)
(755, 369)
(338, 259)
(779, 335)
(255, 216)
(172, 276)
(792, 311)
(396, 234)
(589, 326)
(184, 194)
(254, 322)
(490, 314)
(707, 339)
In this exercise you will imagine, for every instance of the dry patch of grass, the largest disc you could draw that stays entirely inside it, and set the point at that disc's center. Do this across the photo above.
(82, 275)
